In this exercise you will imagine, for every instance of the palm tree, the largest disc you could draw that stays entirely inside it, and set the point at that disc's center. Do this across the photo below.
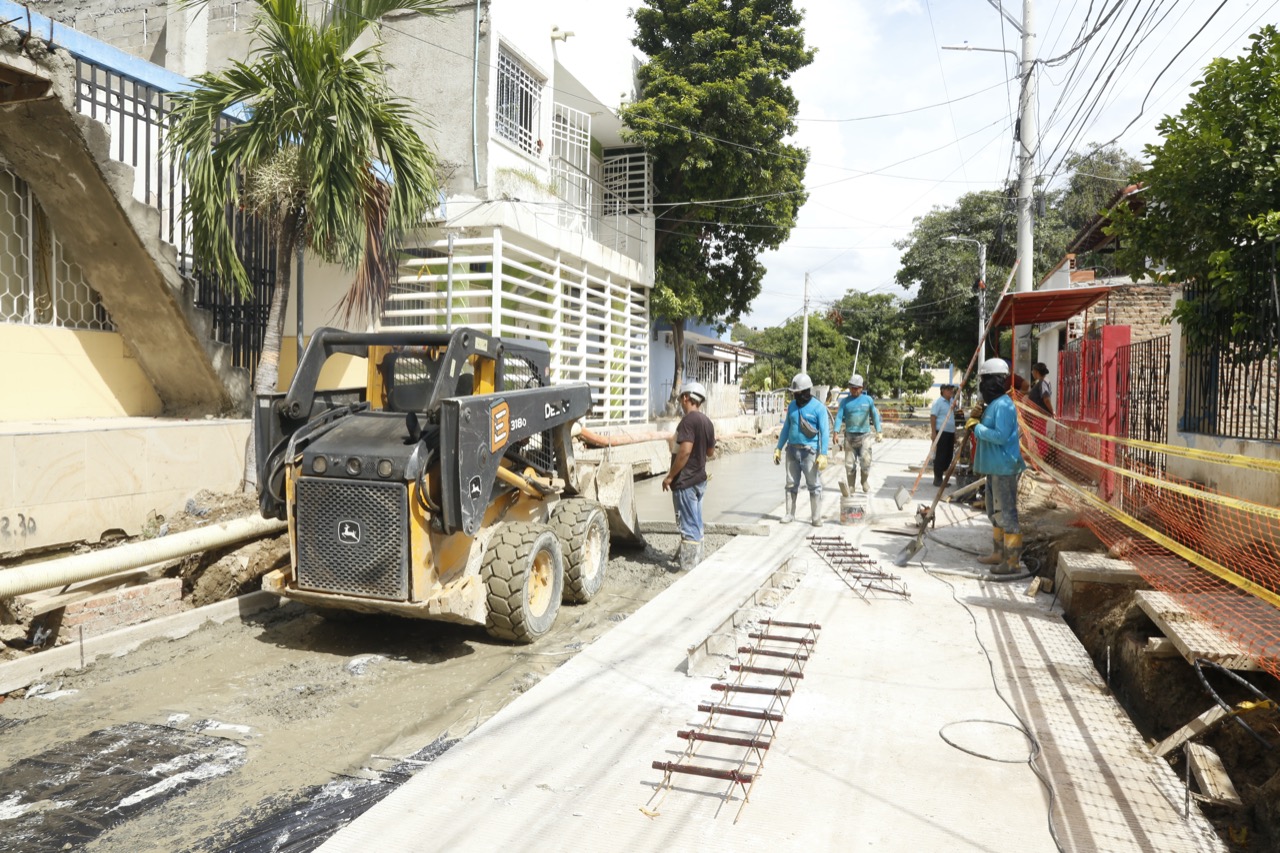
(327, 155)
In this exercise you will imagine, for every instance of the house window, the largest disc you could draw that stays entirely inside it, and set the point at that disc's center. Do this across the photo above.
(519, 104)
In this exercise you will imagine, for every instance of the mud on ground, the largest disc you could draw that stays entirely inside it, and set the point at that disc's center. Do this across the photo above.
(312, 702)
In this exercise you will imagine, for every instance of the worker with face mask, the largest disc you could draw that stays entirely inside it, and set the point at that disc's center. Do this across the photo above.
(806, 437)
(1000, 459)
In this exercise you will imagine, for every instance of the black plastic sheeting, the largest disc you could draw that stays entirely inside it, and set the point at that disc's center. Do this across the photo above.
(67, 796)
(307, 819)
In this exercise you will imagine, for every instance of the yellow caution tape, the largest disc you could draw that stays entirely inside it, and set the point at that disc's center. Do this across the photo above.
(1237, 460)
(1197, 559)
(1197, 494)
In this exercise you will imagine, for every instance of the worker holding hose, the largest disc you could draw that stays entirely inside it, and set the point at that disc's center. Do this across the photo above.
(1000, 459)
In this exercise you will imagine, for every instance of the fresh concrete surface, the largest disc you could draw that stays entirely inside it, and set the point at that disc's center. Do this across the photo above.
(744, 489)
(859, 761)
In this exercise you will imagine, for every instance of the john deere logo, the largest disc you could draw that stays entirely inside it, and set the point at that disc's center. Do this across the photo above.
(349, 532)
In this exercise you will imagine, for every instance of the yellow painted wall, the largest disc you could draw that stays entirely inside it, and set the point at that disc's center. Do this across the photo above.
(48, 372)
(340, 371)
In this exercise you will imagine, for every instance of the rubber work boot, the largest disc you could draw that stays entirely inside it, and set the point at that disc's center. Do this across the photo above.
(815, 510)
(1012, 564)
(690, 554)
(844, 486)
(997, 549)
(790, 514)
(865, 478)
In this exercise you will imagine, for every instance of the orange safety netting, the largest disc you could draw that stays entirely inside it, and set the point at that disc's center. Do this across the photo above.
(1219, 555)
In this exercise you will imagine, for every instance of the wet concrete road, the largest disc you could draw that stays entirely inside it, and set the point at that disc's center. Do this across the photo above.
(743, 488)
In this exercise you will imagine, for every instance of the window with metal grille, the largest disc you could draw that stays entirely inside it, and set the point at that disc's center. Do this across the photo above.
(519, 104)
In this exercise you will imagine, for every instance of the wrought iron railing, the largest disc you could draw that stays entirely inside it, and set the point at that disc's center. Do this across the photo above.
(1232, 377)
(138, 115)
(1142, 377)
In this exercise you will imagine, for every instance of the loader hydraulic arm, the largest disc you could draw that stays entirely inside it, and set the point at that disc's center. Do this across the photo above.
(476, 431)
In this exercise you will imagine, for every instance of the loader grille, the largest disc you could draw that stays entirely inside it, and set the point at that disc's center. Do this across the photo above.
(519, 372)
(353, 538)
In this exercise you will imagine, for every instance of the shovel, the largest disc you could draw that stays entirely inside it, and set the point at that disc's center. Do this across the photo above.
(924, 516)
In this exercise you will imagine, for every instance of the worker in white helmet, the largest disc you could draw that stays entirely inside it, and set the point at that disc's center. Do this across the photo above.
(855, 419)
(687, 477)
(806, 436)
(999, 457)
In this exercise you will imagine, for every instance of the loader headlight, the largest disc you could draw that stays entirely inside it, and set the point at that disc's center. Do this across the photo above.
(353, 466)
(319, 465)
(384, 467)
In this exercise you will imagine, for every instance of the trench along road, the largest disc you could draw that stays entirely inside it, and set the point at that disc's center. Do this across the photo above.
(283, 726)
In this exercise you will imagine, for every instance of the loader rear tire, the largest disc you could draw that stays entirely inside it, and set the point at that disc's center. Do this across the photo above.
(583, 531)
(523, 574)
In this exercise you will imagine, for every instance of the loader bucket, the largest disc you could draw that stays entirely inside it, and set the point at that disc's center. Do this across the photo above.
(616, 493)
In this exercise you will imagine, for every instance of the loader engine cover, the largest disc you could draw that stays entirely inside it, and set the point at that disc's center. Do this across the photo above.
(353, 537)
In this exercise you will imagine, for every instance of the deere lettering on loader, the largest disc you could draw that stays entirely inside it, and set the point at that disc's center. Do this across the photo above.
(446, 489)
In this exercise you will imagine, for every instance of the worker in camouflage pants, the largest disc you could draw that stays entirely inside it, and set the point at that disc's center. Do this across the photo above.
(855, 419)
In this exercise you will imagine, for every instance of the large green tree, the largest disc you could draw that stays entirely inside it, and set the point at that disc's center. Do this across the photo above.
(1211, 209)
(885, 358)
(944, 310)
(326, 154)
(715, 113)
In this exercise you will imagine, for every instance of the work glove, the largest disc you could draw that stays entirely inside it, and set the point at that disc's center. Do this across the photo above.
(777, 457)
(971, 423)
(822, 463)
(879, 437)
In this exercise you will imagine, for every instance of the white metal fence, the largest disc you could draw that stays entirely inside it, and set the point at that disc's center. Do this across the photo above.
(596, 326)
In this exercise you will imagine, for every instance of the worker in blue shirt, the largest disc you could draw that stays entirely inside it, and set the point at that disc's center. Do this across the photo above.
(1000, 459)
(806, 435)
(942, 423)
(856, 417)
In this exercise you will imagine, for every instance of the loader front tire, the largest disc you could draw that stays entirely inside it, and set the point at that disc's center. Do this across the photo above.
(523, 574)
(583, 531)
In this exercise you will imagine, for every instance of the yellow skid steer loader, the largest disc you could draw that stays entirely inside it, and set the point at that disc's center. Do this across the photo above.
(445, 489)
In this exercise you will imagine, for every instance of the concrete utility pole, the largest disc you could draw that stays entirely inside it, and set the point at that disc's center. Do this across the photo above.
(1026, 150)
(1027, 145)
(804, 340)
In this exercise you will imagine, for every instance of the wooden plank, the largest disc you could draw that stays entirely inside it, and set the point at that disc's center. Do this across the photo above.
(1193, 637)
(1202, 723)
(1211, 776)
(38, 604)
(1161, 647)
(24, 671)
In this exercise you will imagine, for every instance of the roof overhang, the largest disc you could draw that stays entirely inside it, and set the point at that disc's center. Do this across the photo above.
(1045, 306)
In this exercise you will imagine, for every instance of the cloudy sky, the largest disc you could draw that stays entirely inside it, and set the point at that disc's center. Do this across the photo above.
(870, 173)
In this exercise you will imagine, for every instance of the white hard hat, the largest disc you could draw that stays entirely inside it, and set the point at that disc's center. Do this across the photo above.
(801, 382)
(695, 390)
(855, 381)
(994, 367)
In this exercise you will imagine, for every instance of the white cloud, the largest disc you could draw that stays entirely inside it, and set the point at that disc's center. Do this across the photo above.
(878, 57)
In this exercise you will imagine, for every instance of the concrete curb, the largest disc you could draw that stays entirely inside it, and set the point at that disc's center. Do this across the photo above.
(17, 674)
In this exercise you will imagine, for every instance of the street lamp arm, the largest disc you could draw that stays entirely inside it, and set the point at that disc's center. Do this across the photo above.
(1017, 25)
(967, 46)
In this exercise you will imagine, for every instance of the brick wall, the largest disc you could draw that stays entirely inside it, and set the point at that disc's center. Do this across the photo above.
(1144, 308)
(120, 608)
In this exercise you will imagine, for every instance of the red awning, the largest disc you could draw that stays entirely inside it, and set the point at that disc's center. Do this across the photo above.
(1045, 306)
